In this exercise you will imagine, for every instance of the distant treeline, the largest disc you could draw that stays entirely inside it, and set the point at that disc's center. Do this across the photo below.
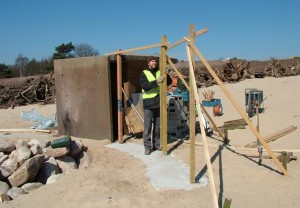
(23, 66)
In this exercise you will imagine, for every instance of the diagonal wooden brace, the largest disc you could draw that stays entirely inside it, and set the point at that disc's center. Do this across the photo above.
(238, 108)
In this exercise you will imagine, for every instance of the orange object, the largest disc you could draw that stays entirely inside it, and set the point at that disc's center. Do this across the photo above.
(218, 110)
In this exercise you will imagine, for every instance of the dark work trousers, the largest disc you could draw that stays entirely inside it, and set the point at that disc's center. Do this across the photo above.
(151, 116)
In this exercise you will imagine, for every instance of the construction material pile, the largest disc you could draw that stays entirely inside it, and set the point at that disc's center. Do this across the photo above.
(31, 90)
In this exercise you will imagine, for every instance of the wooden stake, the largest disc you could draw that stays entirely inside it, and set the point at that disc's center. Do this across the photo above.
(207, 157)
(227, 93)
(227, 203)
(163, 97)
(192, 113)
(119, 97)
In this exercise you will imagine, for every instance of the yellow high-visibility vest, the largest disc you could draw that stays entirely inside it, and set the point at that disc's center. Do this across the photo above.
(154, 91)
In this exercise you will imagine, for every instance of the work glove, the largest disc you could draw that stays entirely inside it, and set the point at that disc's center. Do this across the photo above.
(160, 79)
(172, 74)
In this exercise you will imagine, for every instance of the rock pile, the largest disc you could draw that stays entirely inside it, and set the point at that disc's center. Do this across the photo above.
(26, 166)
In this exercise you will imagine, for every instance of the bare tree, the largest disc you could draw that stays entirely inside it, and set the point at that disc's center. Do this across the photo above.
(21, 63)
(83, 50)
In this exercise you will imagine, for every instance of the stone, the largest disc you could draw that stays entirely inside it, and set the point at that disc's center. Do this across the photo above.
(21, 154)
(35, 149)
(11, 164)
(43, 143)
(57, 152)
(21, 143)
(84, 159)
(3, 158)
(4, 197)
(49, 168)
(14, 192)
(4, 187)
(27, 171)
(6, 146)
(5, 172)
(66, 164)
(54, 178)
(75, 148)
(31, 186)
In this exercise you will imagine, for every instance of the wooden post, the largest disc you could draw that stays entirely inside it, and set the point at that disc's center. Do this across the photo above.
(192, 113)
(163, 97)
(245, 117)
(207, 157)
(119, 97)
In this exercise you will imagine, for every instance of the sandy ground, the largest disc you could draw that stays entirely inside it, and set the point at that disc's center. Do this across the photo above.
(116, 179)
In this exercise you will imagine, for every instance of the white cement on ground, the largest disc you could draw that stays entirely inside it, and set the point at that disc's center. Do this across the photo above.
(164, 171)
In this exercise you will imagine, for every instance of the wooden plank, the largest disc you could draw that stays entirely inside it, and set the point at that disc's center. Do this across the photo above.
(242, 148)
(192, 114)
(237, 121)
(238, 108)
(200, 32)
(163, 97)
(206, 152)
(137, 49)
(25, 130)
(274, 136)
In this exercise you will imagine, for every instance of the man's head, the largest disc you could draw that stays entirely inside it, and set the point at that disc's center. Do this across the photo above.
(152, 62)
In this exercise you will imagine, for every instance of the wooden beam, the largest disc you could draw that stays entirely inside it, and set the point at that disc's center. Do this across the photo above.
(200, 32)
(274, 136)
(163, 97)
(206, 152)
(25, 130)
(238, 108)
(192, 130)
(137, 49)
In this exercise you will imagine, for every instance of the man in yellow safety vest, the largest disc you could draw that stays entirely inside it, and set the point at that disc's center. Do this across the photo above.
(150, 79)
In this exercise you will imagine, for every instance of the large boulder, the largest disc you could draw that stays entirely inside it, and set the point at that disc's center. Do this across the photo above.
(27, 171)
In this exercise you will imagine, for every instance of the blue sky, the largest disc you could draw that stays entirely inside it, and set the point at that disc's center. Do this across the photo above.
(253, 30)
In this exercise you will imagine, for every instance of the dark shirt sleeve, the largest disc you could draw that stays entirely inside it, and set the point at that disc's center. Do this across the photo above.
(145, 84)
